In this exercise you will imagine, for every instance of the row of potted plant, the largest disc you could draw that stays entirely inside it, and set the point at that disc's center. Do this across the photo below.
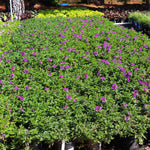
(120, 13)
(141, 18)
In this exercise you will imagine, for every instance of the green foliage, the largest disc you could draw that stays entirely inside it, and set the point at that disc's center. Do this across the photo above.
(7, 30)
(73, 78)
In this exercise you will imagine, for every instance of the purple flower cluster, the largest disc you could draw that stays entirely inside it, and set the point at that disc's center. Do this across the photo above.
(71, 63)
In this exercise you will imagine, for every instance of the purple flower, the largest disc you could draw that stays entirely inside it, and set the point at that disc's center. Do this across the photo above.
(65, 106)
(61, 76)
(49, 73)
(63, 42)
(87, 52)
(10, 110)
(34, 53)
(95, 53)
(145, 106)
(124, 104)
(49, 59)
(114, 86)
(106, 62)
(66, 67)
(22, 109)
(73, 49)
(46, 89)
(130, 114)
(42, 47)
(3, 45)
(65, 57)
(74, 100)
(24, 59)
(99, 47)
(12, 75)
(98, 108)
(85, 39)
(27, 87)
(10, 82)
(2, 137)
(15, 88)
(23, 53)
(54, 66)
(78, 77)
(62, 67)
(102, 78)
(145, 89)
(26, 71)
(21, 98)
(135, 93)
(69, 49)
(129, 73)
(103, 99)
(140, 49)
(30, 77)
(128, 78)
(127, 118)
(13, 68)
(69, 97)
(136, 68)
(119, 51)
(87, 58)
(8, 61)
(40, 62)
(86, 75)
(1, 81)
(65, 89)
(125, 74)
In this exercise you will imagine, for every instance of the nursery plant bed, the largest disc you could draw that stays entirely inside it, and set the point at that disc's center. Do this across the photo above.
(76, 78)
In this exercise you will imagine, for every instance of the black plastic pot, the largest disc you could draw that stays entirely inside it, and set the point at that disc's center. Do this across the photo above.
(36, 147)
(128, 143)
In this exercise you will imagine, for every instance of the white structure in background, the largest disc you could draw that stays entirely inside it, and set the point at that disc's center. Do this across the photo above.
(17, 8)
(122, 22)
(11, 10)
(63, 145)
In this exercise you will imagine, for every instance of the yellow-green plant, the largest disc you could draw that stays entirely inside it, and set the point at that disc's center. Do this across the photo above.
(68, 12)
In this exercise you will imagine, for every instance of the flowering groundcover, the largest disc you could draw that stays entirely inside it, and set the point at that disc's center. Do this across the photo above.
(74, 79)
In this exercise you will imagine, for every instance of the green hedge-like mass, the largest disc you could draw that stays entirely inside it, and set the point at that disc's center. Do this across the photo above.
(75, 79)
(143, 19)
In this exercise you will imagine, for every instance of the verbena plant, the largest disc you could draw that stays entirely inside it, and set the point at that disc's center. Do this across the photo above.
(75, 79)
